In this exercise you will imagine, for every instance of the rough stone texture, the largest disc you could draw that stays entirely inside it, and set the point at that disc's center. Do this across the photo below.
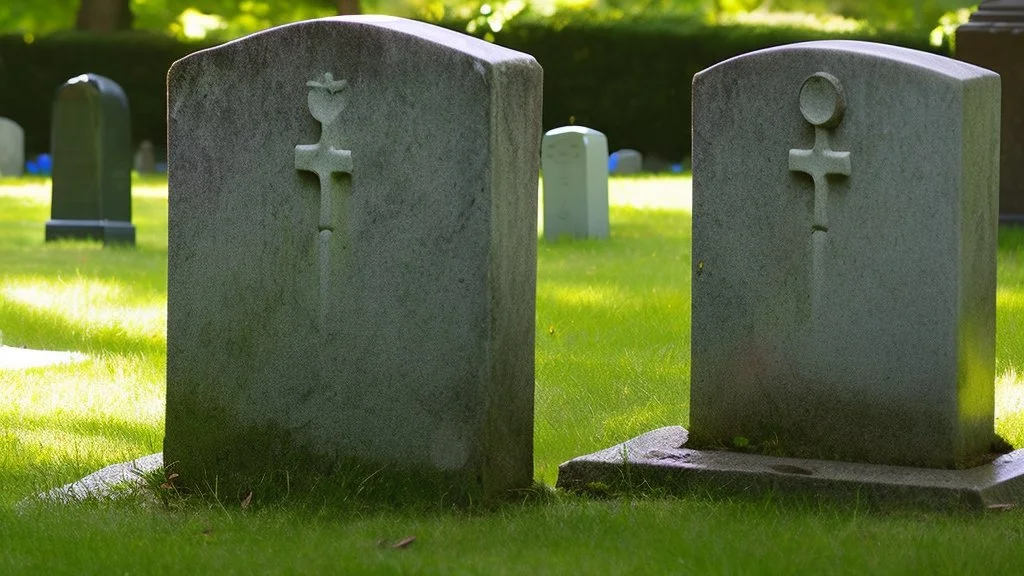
(12, 148)
(92, 162)
(994, 39)
(658, 459)
(844, 253)
(390, 322)
(627, 161)
(575, 161)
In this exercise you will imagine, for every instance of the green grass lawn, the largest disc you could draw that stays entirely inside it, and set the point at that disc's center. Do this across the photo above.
(612, 362)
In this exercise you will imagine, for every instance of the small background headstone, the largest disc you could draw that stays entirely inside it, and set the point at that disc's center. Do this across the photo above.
(12, 148)
(994, 39)
(92, 162)
(625, 161)
(575, 161)
(145, 158)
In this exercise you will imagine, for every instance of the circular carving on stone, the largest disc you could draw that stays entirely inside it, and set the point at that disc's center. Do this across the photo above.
(822, 101)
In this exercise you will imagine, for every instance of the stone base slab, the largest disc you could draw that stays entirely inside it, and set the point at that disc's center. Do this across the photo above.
(658, 460)
(109, 231)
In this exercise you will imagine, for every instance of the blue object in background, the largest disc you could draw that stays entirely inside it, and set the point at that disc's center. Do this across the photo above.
(613, 161)
(41, 166)
(676, 168)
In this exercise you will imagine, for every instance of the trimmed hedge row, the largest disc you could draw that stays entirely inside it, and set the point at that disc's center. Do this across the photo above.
(628, 79)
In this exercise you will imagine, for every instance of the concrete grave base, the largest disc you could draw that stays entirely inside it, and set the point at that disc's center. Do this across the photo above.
(658, 459)
(108, 482)
(109, 231)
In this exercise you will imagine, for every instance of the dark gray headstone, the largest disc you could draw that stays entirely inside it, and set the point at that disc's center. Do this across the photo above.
(92, 162)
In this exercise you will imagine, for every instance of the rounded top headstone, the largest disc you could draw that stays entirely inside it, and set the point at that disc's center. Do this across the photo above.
(822, 101)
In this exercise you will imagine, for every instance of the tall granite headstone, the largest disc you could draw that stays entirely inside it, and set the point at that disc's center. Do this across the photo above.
(92, 162)
(844, 254)
(575, 161)
(352, 257)
(994, 39)
(12, 148)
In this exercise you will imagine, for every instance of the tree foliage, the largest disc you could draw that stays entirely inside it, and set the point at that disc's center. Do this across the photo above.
(232, 18)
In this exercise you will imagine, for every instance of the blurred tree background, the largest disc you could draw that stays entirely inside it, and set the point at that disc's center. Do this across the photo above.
(226, 19)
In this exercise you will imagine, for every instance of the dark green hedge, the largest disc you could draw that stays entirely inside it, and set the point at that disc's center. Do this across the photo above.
(31, 73)
(633, 81)
(628, 79)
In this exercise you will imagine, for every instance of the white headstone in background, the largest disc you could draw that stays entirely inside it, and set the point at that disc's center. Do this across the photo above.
(12, 148)
(844, 254)
(575, 169)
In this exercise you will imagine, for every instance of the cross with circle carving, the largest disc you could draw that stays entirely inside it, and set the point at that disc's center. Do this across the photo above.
(822, 104)
(326, 158)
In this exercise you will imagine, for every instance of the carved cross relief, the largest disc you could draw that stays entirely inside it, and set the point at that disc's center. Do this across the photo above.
(326, 158)
(822, 104)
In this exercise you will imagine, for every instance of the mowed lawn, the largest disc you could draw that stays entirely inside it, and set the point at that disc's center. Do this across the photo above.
(612, 362)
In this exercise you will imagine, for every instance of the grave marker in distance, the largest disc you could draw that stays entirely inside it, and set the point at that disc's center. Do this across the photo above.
(575, 161)
(92, 162)
(12, 148)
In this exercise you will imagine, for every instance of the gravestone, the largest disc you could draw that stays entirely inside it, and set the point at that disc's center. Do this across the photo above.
(92, 162)
(626, 161)
(575, 161)
(12, 148)
(843, 287)
(844, 244)
(352, 257)
(145, 159)
(994, 39)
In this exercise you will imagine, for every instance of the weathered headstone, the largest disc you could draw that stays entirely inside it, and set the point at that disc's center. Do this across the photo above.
(626, 161)
(145, 158)
(92, 162)
(352, 257)
(12, 148)
(994, 39)
(843, 288)
(844, 243)
(575, 161)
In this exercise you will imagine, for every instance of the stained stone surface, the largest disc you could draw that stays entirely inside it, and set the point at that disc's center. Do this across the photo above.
(352, 256)
(994, 39)
(92, 162)
(12, 148)
(844, 253)
(575, 161)
(661, 459)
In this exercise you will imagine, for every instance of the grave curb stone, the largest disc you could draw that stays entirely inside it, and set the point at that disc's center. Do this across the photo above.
(659, 459)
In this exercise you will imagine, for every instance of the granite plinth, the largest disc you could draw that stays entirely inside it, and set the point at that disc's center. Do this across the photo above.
(660, 459)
